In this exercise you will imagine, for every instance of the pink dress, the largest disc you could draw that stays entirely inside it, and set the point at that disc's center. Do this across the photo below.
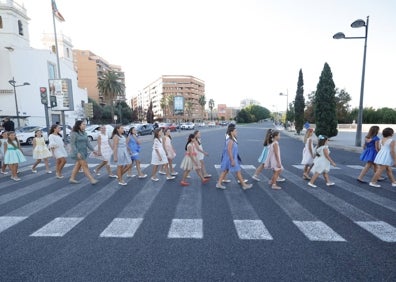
(171, 154)
(187, 162)
(271, 161)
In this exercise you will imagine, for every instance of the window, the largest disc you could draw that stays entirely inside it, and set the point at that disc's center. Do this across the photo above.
(51, 71)
(1, 22)
(68, 52)
(20, 27)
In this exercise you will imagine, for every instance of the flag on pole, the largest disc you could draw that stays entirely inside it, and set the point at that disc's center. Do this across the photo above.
(56, 12)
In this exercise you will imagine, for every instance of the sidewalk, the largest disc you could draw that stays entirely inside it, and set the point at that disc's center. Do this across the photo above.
(345, 139)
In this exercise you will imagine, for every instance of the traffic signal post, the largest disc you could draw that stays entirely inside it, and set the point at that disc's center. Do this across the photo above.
(44, 101)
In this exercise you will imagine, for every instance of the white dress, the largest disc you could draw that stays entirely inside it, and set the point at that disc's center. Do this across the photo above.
(55, 142)
(384, 156)
(200, 155)
(105, 149)
(321, 163)
(306, 156)
(41, 151)
(157, 145)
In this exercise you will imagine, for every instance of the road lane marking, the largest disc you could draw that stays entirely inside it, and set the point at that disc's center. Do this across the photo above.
(186, 229)
(122, 228)
(252, 230)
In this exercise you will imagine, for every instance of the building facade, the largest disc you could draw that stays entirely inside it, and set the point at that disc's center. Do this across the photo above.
(22, 63)
(162, 92)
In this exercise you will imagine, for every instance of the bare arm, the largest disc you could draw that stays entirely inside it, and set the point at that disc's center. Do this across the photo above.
(229, 151)
(276, 153)
(392, 151)
(327, 156)
(310, 148)
(115, 147)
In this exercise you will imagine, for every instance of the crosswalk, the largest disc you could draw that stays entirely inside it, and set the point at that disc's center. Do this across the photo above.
(188, 220)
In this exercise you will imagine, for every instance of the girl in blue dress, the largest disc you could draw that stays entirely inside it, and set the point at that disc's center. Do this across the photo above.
(230, 161)
(371, 148)
(134, 149)
(13, 155)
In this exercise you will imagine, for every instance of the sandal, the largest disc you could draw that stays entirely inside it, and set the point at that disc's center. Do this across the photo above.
(276, 187)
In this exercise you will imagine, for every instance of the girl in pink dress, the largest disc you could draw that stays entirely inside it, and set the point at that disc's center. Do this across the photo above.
(273, 160)
(169, 150)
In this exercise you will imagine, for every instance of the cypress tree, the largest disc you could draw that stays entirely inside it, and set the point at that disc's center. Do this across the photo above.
(325, 107)
(299, 104)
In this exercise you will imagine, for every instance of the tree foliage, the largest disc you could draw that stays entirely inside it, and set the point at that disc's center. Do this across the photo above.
(111, 87)
(299, 103)
(150, 113)
(211, 106)
(325, 104)
(252, 113)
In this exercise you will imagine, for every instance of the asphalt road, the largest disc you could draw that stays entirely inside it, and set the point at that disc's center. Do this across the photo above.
(53, 231)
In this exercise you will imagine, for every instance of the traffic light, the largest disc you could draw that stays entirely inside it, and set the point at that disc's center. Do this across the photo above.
(53, 102)
(88, 108)
(43, 95)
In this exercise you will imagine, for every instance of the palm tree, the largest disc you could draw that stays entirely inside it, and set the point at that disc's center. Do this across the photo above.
(202, 102)
(189, 106)
(169, 102)
(163, 104)
(110, 86)
(211, 106)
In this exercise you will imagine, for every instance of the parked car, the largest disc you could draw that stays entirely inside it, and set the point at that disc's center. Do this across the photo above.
(26, 128)
(144, 129)
(201, 124)
(165, 126)
(26, 136)
(187, 125)
(223, 123)
(211, 124)
(93, 131)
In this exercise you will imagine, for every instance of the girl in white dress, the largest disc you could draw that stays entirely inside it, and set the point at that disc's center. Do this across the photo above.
(158, 156)
(322, 162)
(308, 153)
(56, 145)
(40, 151)
(103, 147)
(385, 158)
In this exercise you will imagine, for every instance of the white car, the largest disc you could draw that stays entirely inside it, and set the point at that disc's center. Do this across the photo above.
(26, 137)
(93, 131)
(187, 125)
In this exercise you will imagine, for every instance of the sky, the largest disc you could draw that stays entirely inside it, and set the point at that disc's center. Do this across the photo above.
(240, 48)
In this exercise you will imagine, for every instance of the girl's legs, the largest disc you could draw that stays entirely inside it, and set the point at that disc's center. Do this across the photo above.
(366, 168)
(14, 169)
(139, 169)
(35, 164)
(47, 167)
(183, 182)
(389, 172)
(200, 174)
(313, 179)
(222, 176)
(119, 173)
(377, 175)
(326, 177)
(61, 165)
(274, 178)
(84, 166)
(171, 168)
(203, 168)
(3, 168)
(130, 169)
(154, 172)
(241, 181)
(307, 169)
(97, 169)
(259, 169)
(75, 170)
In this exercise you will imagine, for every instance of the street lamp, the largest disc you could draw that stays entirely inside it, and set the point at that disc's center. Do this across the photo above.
(287, 103)
(13, 83)
(340, 35)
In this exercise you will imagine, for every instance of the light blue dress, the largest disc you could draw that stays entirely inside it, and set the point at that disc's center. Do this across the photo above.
(384, 156)
(13, 155)
(123, 157)
(226, 161)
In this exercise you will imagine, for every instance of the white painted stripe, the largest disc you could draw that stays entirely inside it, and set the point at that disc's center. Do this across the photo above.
(300, 166)
(379, 229)
(355, 166)
(122, 228)
(8, 221)
(58, 227)
(217, 166)
(318, 231)
(186, 229)
(251, 230)
(248, 167)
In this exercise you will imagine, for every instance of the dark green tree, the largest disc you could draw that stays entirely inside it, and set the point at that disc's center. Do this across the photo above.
(309, 114)
(343, 108)
(243, 116)
(150, 113)
(325, 104)
(299, 104)
(97, 111)
(258, 112)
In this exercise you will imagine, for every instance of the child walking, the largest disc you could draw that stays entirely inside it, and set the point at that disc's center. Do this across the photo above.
(3, 140)
(385, 158)
(40, 151)
(103, 147)
(158, 156)
(308, 153)
(273, 160)
(170, 151)
(121, 156)
(56, 145)
(201, 153)
(371, 147)
(322, 162)
(190, 161)
(13, 155)
(134, 150)
(230, 161)
(263, 156)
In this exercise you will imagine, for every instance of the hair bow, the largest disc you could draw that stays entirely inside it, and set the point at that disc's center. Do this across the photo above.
(321, 137)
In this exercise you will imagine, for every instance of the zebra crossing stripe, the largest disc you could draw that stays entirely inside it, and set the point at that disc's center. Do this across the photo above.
(62, 225)
(8, 221)
(361, 218)
(306, 222)
(128, 221)
(300, 166)
(246, 221)
(186, 229)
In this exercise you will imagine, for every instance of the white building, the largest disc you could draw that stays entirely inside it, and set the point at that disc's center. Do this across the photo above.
(22, 63)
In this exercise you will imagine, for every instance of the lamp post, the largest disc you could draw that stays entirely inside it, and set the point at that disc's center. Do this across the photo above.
(340, 35)
(13, 83)
(287, 103)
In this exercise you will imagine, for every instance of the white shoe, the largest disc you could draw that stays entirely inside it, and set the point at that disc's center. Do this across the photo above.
(226, 181)
(170, 177)
(49, 172)
(312, 185)
(330, 183)
(174, 173)
(394, 184)
(280, 179)
(247, 186)
(154, 179)
(133, 175)
(219, 186)
(143, 176)
(372, 184)
(162, 172)
(255, 177)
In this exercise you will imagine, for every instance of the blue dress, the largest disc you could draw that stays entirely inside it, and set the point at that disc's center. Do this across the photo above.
(369, 153)
(225, 160)
(123, 157)
(134, 147)
(13, 155)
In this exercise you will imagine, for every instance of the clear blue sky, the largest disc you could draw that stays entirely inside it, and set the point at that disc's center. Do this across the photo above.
(240, 48)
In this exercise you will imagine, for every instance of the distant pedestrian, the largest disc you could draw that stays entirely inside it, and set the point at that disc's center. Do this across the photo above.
(370, 149)
(40, 151)
(322, 162)
(230, 161)
(120, 156)
(57, 147)
(386, 158)
(3, 140)
(191, 162)
(104, 152)
(273, 160)
(134, 150)
(170, 151)
(80, 145)
(308, 153)
(8, 124)
(158, 156)
(13, 155)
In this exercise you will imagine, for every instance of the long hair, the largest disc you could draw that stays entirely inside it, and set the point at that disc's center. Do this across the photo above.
(115, 131)
(52, 129)
(195, 135)
(307, 133)
(77, 125)
(190, 137)
(267, 137)
(273, 134)
(9, 141)
(373, 131)
(130, 130)
(156, 133)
